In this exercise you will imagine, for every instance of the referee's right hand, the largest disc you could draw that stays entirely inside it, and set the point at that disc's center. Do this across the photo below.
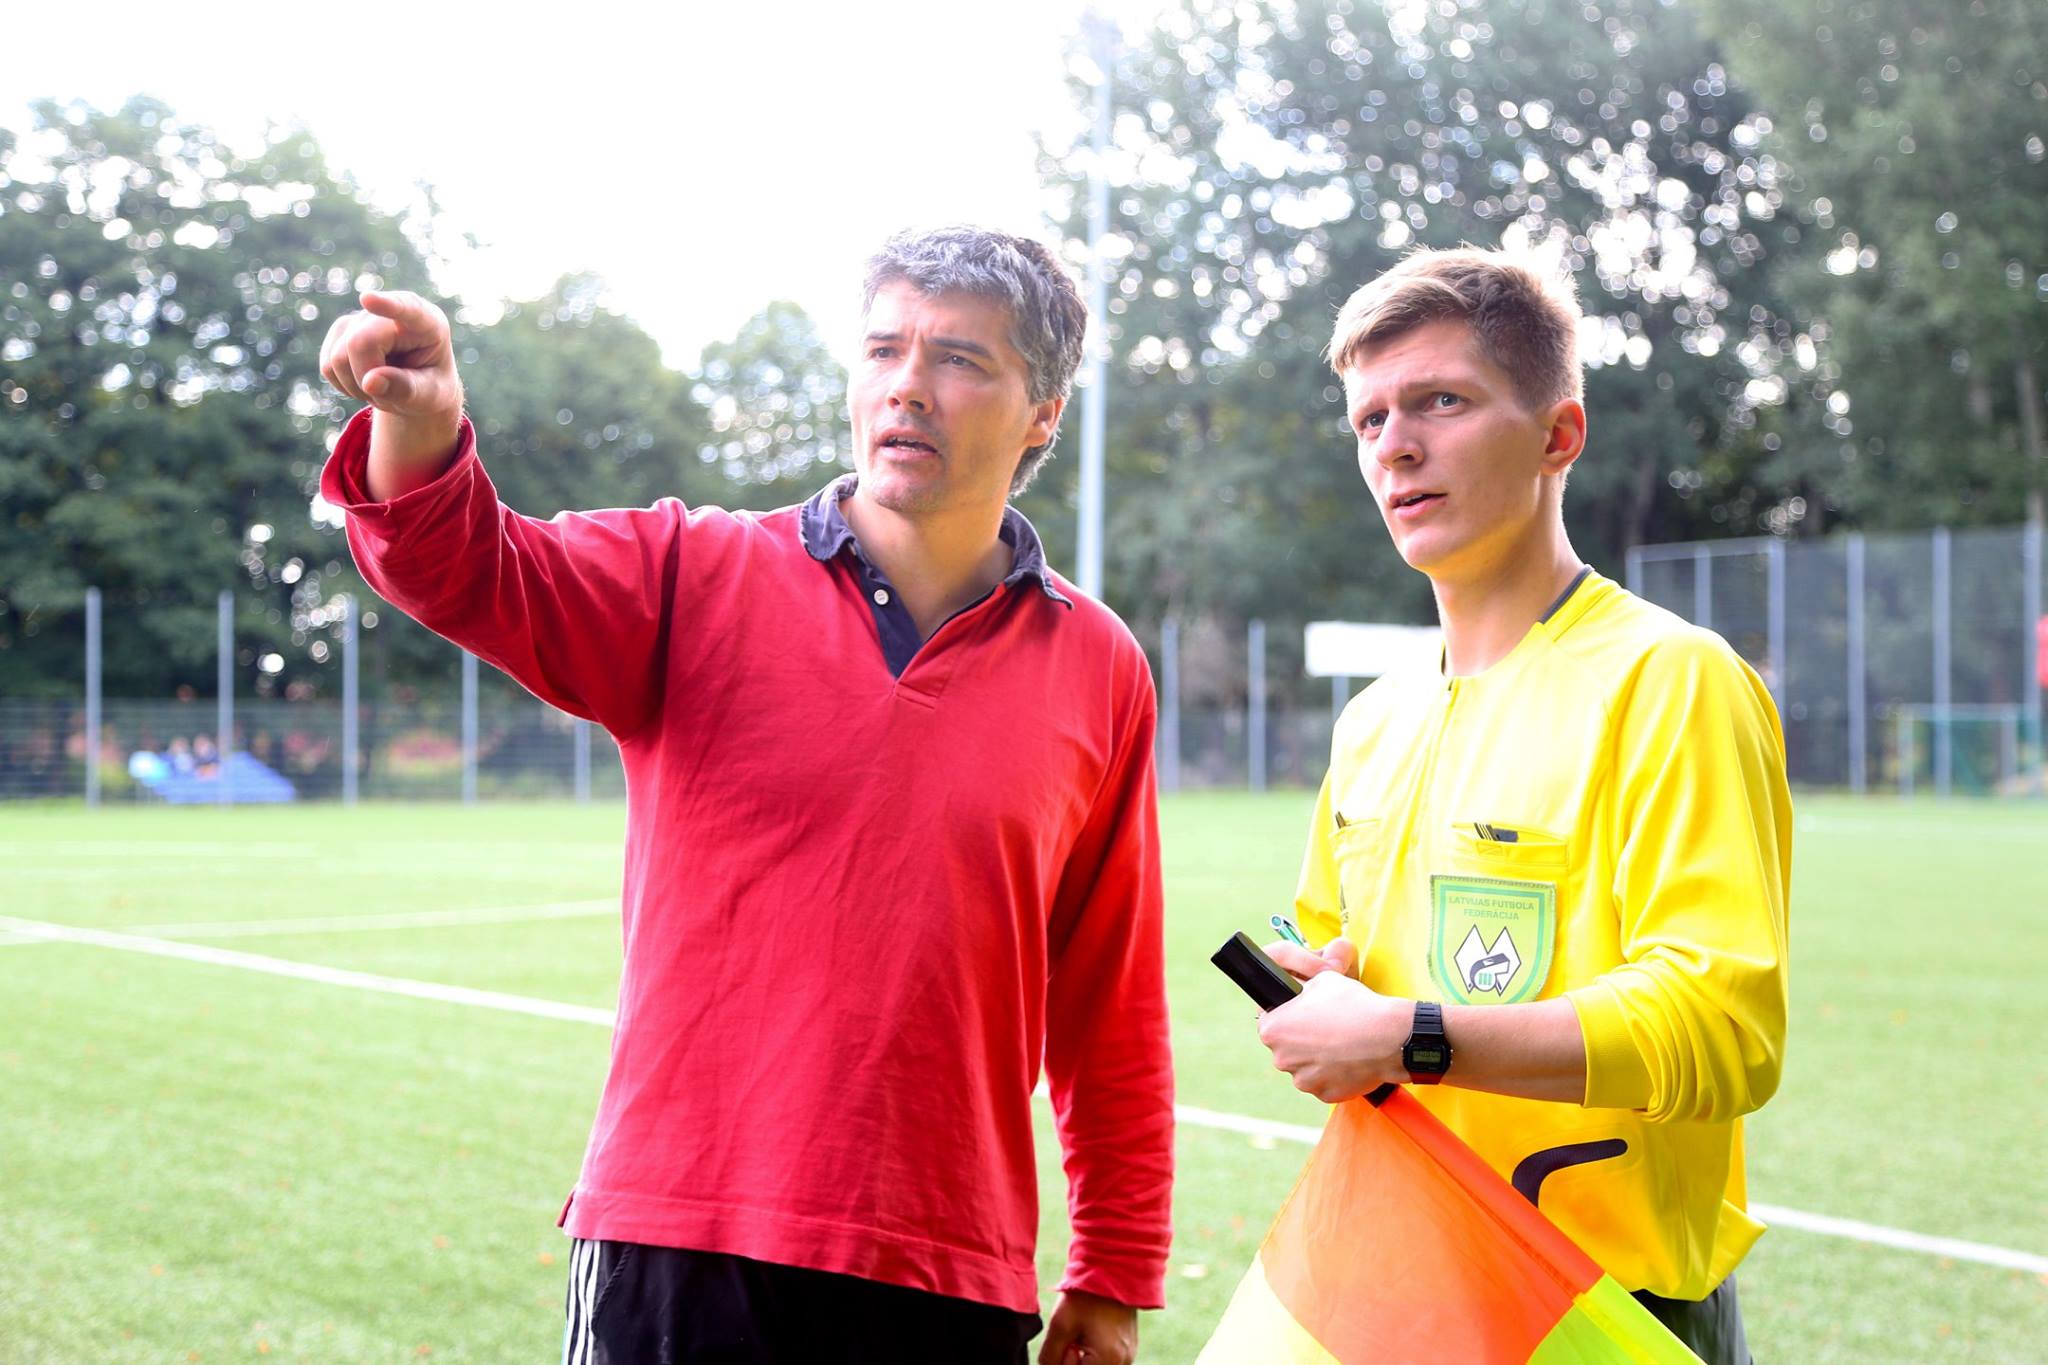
(1339, 955)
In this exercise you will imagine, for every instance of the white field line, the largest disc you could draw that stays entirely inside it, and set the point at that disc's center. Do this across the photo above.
(405, 919)
(306, 971)
(145, 848)
(1249, 1126)
(1835, 824)
(1857, 1231)
(1822, 1224)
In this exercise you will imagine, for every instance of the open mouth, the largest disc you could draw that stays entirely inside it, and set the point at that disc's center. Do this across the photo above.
(1407, 500)
(909, 444)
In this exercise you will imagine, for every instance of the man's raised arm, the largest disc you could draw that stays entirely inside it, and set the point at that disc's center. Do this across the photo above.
(575, 608)
(397, 356)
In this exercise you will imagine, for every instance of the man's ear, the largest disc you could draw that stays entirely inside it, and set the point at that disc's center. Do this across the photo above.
(1045, 420)
(1565, 435)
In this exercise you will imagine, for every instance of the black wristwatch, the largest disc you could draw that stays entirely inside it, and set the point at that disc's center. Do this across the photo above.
(1427, 1053)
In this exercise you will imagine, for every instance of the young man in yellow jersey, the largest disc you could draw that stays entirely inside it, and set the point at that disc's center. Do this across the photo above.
(1548, 877)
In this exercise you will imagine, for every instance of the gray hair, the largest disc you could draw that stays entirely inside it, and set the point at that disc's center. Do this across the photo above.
(1047, 317)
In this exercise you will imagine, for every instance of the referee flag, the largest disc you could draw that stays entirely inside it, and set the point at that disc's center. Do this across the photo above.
(1400, 1244)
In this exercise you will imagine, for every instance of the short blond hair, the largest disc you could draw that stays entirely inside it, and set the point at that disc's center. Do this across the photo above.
(1526, 321)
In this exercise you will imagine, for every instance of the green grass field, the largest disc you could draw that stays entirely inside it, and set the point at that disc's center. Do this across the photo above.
(204, 1163)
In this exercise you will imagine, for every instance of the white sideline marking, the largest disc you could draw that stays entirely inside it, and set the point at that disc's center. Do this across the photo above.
(1905, 1241)
(145, 848)
(1835, 824)
(1244, 1123)
(409, 919)
(1819, 1223)
(306, 971)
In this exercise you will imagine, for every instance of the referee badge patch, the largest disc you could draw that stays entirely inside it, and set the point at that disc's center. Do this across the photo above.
(1491, 938)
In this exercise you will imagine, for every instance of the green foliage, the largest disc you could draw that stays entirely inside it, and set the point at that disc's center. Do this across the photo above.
(574, 408)
(1915, 129)
(163, 305)
(1269, 158)
(777, 407)
(1809, 235)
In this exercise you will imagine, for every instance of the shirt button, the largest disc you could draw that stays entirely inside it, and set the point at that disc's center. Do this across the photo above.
(881, 597)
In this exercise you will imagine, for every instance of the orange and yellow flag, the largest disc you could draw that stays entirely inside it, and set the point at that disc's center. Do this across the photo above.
(1399, 1244)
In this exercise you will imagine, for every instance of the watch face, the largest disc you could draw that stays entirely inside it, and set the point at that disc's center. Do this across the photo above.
(1427, 1057)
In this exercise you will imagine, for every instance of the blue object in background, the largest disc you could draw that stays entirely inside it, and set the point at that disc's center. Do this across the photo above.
(249, 783)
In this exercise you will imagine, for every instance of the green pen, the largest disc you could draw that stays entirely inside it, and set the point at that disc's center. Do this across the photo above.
(1288, 931)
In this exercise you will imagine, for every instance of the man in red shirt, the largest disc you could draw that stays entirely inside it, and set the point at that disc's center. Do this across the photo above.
(891, 843)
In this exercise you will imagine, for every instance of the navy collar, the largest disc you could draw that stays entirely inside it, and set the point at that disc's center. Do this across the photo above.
(825, 533)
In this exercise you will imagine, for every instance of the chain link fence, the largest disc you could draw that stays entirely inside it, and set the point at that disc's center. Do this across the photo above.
(1904, 661)
(485, 739)
(168, 752)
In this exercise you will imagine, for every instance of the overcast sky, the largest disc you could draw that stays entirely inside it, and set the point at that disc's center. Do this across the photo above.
(704, 161)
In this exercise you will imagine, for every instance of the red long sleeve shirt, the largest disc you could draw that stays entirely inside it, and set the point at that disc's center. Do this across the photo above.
(859, 909)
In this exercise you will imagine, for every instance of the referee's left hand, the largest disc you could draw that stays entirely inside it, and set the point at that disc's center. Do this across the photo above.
(1087, 1329)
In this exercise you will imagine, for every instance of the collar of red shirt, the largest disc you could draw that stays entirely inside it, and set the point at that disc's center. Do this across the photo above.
(825, 533)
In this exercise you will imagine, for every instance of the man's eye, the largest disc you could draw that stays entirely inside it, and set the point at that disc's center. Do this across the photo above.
(1447, 400)
(1372, 421)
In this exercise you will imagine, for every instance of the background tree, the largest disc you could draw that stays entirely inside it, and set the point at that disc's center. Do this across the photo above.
(775, 397)
(164, 301)
(1269, 157)
(1916, 128)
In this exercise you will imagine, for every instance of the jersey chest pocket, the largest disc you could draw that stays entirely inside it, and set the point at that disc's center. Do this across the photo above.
(1493, 913)
(1358, 847)
(1507, 850)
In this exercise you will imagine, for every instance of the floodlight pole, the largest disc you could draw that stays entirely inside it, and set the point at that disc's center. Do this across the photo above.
(2030, 594)
(351, 740)
(1169, 705)
(1781, 662)
(1088, 550)
(92, 697)
(1859, 675)
(1255, 704)
(1702, 587)
(580, 756)
(1944, 742)
(224, 708)
(468, 728)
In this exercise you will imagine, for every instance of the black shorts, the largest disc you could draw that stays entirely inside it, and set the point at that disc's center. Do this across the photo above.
(1711, 1328)
(630, 1304)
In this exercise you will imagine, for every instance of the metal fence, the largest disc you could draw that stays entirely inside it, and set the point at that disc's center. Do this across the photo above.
(1899, 662)
(1903, 662)
(479, 741)
(486, 739)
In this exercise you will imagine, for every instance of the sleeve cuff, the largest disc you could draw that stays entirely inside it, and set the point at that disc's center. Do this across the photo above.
(344, 481)
(1132, 1286)
(1616, 1076)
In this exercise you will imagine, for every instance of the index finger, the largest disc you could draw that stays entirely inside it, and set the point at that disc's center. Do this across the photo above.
(411, 312)
(1297, 960)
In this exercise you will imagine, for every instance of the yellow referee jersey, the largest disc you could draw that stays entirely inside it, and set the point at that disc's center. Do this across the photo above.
(1601, 815)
